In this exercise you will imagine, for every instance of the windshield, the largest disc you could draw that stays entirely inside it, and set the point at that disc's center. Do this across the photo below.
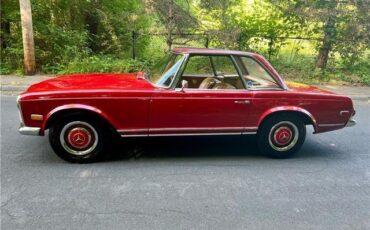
(163, 73)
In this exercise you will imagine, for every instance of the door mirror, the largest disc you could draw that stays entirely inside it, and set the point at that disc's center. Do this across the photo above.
(184, 84)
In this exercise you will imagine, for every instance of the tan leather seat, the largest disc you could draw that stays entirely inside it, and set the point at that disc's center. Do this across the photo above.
(223, 85)
(207, 83)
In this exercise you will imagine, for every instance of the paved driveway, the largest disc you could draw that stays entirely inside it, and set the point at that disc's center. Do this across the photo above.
(188, 183)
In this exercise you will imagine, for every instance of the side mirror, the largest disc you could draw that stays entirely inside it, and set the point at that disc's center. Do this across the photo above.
(220, 76)
(184, 84)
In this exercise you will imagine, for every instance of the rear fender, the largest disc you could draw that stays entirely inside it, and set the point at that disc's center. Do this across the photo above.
(288, 109)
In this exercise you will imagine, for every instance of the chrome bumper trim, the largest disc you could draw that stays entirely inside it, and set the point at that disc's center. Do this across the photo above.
(351, 122)
(33, 131)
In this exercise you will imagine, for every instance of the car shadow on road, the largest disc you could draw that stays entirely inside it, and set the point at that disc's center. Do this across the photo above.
(185, 147)
(203, 147)
(199, 147)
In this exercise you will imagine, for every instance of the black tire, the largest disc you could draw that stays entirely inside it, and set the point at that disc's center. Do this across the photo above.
(65, 138)
(281, 136)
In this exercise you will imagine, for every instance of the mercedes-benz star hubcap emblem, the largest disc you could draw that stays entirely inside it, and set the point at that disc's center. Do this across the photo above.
(284, 136)
(79, 138)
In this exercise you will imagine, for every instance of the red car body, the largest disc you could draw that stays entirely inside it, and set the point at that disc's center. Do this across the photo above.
(135, 107)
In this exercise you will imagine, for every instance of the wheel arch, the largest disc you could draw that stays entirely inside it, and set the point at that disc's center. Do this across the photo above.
(307, 117)
(77, 109)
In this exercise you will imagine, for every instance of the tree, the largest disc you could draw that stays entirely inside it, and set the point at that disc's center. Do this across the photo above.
(331, 18)
(27, 33)
(5, 27)
(175, 17)
(218, 19)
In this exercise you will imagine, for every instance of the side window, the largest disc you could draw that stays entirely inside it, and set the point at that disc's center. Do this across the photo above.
(211, 72)
(199, 65)
(257, 77)
(224, 66)
(169, 71)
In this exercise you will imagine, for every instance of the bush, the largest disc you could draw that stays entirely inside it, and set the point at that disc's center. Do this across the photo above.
(301, 69)
(102, 64)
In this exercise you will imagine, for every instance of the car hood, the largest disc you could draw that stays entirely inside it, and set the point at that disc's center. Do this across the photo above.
(93, 81)
(303, 88)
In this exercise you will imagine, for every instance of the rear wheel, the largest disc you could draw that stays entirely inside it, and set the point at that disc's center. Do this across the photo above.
(281, 136)
(77, 140)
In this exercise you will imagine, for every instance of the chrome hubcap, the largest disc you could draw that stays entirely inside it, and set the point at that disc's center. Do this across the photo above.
(79, 138)
(283, 136)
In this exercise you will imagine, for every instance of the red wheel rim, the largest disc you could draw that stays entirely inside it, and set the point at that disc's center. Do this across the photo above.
(282, 136)
(79, 138)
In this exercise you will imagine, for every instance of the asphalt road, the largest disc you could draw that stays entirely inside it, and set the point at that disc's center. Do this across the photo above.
(188, 183)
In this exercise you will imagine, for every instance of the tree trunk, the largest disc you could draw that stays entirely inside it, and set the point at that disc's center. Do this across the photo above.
(329, 38)
(170, 25)
(92, 25)
(27, 34)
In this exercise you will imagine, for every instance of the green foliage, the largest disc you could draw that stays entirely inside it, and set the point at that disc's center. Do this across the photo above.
(300, 68)
(4, 69)
(343, 26)
(103, 64)
(65, 30)
(96, 36)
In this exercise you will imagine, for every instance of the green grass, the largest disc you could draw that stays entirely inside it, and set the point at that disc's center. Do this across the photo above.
(301, 69)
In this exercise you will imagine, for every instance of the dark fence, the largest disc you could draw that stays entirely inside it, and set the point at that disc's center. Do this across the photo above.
(205, 39)
(196, 36)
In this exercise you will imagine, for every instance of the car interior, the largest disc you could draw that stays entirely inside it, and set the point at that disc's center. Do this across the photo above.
(219, 72)
(211, 72)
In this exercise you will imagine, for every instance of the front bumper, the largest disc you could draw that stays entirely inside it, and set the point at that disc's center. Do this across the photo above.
(25, 130)
(33, 131)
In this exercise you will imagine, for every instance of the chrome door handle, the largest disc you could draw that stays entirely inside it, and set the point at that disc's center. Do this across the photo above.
(242, 102)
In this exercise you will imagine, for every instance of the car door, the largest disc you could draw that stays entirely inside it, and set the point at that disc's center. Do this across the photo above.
(203, 111)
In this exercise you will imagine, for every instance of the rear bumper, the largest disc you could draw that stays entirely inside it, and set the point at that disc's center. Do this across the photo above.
(33, 131)
(351, 122)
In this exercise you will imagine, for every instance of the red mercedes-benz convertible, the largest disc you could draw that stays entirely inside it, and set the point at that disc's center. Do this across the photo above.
(190, 92)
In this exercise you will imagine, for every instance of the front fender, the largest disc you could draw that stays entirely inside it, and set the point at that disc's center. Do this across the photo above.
(288, 109)
(74, 107)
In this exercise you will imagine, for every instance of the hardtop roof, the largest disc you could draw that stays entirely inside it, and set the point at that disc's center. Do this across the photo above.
(192, 50)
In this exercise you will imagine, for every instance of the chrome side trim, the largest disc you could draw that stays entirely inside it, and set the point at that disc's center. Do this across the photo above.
(212, 131)
(185, 129)
(189, 134)
(33, 131)
(202, 129)
(134, 135)
(132, 130)
(192, 134)
(249, 133)
(330, 125)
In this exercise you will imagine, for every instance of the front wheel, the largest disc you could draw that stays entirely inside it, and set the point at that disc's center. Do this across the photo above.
(281, 136)
(77, 140)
